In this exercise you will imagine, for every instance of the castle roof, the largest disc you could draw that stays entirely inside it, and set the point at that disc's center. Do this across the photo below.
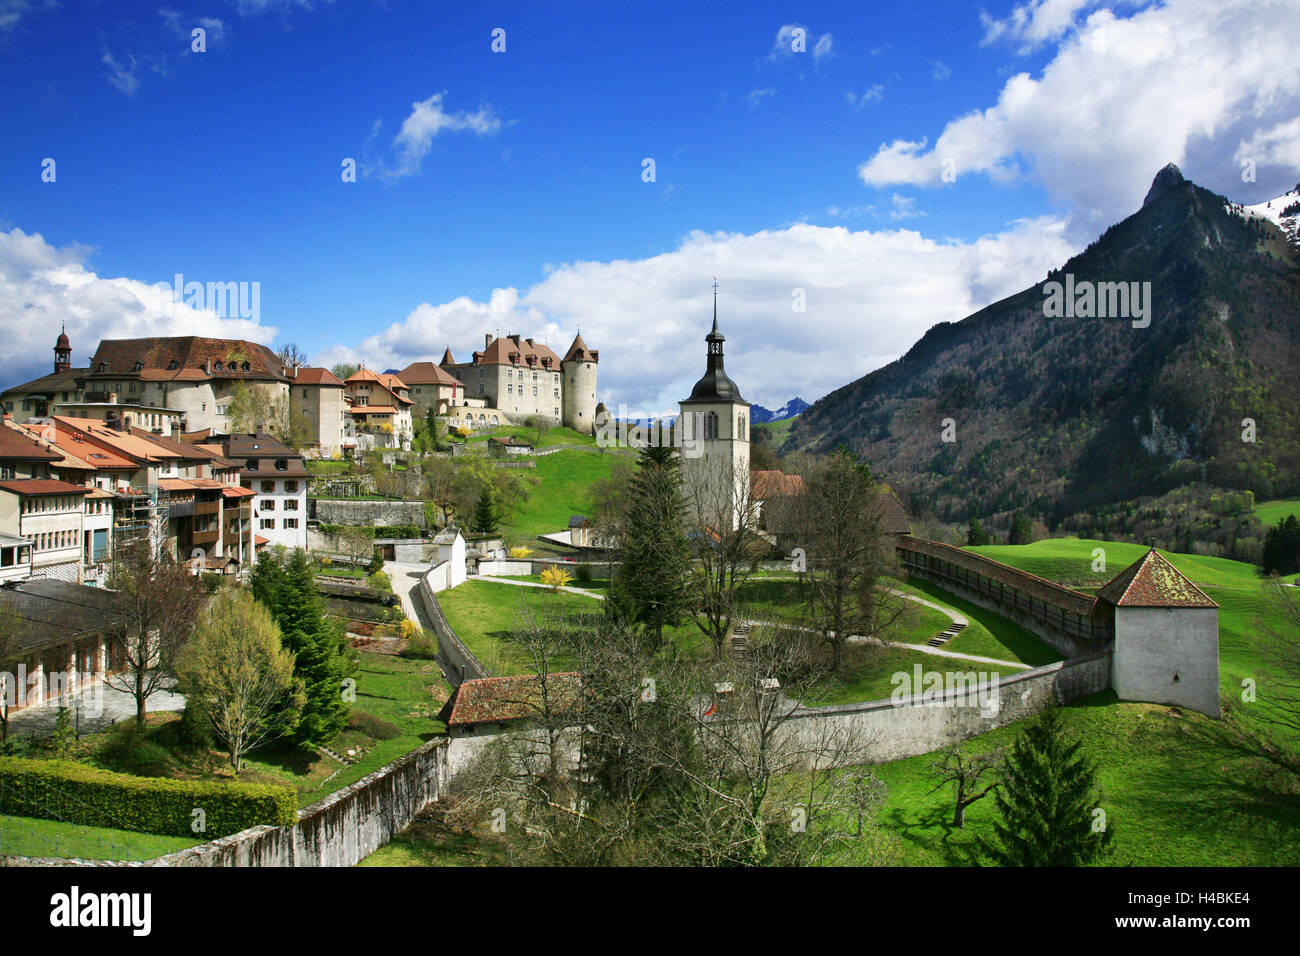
(1151, 581)
(515, 350)
(426, 373)
(186, 358)
(578, 351)
(447, 358)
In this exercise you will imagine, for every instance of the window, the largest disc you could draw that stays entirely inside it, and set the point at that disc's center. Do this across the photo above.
(291, 504)
(510, 389)
(304, 393)
(268, 524)
(534, 391)
(251, 464)
(740, 426)
(282, 464)
(291, 522)
(291, 487)
(268, 504)
(268, 487)
(557, 393)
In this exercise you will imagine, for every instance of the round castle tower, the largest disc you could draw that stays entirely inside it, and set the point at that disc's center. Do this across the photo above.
(578, 377)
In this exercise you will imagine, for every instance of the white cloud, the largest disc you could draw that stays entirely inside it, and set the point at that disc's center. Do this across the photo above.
(903, 207)
(940, 70)
(42, 286)
(823, 47)
(1034, 23)
(870, 296)
(873, 94)
(754, 98)
(122, 77)
(1279, 145)
(1186, 82)
(427, 120)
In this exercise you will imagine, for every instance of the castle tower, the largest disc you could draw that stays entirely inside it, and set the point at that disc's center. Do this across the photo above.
(578, 383)
(62, 352)
(714, 427)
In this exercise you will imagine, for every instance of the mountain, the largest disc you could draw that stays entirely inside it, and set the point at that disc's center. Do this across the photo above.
(758, 414)
(1058, 412)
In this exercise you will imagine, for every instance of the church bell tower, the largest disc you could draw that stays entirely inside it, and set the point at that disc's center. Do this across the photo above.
(714, 425)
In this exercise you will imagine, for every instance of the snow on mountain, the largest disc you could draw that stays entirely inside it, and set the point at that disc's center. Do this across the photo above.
(758, 414)
(1283, 212)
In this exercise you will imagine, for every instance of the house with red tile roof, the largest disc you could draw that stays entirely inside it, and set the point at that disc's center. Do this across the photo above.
(318, 404)
(380, 409)
(491, 705)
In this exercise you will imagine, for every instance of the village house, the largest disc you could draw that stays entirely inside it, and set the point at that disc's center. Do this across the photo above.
(276, 476)
(380, 409)
(318, 405)
(433, 387)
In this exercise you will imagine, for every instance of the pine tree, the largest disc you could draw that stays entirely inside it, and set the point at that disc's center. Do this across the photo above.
(656, 558)
(1022, 531)
(485, 513)
(975, 536)
(1047, 800)
(320, 654)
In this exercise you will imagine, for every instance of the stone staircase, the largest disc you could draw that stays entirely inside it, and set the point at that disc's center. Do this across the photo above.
(947, 635)
(739, 643)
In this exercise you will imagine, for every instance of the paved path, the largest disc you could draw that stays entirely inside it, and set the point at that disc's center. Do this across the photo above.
(406, 578)
(535, 584)
(100, 706)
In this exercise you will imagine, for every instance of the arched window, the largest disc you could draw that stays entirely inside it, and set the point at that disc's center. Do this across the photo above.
(711, 426)
(740, 426)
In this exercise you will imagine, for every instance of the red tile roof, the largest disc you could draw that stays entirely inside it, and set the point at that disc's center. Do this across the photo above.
(578, 351)
(516, 350)
(426, 373)
(192, 355)
(889, 511)
(495, 699)
(32, 487)
(775, 484)
(17, 445)
(317, 376)
(1151, 581)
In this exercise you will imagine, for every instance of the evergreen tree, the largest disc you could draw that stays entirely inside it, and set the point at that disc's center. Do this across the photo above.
(1022, 531)
(485, 513)
(1282, 547)
(975, 537)
(652, 583)
(321, 661)
(1046, 800)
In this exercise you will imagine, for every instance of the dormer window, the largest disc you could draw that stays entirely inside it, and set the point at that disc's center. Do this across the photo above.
(245, 366)
(251, 464)
(101, 367)
(217, 366)
(282, 464)
(173, 365)
(137, 366)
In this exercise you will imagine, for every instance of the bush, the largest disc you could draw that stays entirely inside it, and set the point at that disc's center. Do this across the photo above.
(129, 750)
(421, 645)
(555, 577)
(582, 572)
(380, 582)
(195, 729)
(521, 552)
(76, 793)
(376, 728)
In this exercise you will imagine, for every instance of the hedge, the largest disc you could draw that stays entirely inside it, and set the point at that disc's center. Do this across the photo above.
(381, 531)
(77, 793)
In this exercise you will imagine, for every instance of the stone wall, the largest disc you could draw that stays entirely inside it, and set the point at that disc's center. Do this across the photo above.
(455, 659)
(919, 724)
(368, 513)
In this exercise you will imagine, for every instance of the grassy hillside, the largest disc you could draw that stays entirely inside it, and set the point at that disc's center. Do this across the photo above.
(562, 489)
(1174, 791)
(1271, 512)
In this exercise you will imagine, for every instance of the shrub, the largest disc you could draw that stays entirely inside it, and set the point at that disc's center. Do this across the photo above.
(195, 729)
(555, 577)
(76, 793)
(376, 728)
(582, 572)
(521, 552)
(379, 581)
(421, 645)
(128, 750)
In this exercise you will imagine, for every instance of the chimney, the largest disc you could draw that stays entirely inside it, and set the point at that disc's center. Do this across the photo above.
(487, 339)
(530, 342)
(514, 337)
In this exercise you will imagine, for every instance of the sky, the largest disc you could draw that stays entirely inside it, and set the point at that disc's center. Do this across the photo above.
(851, 175)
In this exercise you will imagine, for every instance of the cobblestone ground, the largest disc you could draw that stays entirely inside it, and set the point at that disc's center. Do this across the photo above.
(96, 707)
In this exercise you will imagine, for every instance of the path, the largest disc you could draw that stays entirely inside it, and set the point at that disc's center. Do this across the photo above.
(97, 705)
(535, 584)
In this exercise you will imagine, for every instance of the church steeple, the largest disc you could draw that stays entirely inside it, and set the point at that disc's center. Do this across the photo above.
(715, 386)
(62, 351)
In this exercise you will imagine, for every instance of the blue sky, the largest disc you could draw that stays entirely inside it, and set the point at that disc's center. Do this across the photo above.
(505, 190)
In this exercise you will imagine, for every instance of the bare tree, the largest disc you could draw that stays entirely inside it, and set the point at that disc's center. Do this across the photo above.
(847, 557)
(291, 356)
(357, 543)
(156, 602)
(723, 525)
(964, 773)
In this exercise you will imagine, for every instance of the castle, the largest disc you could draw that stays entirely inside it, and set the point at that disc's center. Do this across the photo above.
(511, 379)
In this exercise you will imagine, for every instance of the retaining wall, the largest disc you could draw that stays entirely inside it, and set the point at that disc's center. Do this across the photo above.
(455, 659)
(368, 513)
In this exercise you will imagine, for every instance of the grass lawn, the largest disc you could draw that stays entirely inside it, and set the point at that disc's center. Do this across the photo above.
(1271, 512)
(562, 490)
(1174, 793)
(485, 615)
(562, 435)
(28, 836)
(780, 431)
(428, 844)
(323, 467)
